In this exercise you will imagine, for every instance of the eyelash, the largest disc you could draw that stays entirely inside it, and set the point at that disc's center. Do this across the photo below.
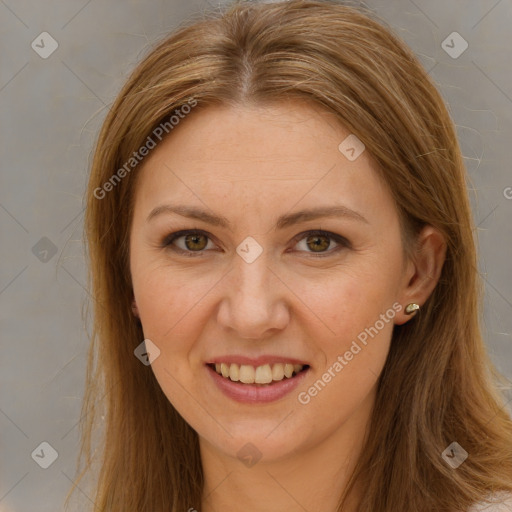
(169, 239)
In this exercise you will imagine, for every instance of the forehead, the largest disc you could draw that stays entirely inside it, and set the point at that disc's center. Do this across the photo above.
(262, 157)
(292, 132)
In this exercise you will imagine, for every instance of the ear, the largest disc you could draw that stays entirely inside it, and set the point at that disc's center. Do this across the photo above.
(135, 309)
(423, 270)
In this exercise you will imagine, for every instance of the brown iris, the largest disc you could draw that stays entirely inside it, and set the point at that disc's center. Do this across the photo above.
(195, 241)
(319, 242)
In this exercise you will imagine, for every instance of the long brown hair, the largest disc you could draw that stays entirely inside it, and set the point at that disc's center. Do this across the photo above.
(438, 384)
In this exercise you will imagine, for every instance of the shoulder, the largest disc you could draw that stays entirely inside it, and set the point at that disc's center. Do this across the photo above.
(498, 503)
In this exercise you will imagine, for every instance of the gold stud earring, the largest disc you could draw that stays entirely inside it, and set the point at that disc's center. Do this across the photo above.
(411, 308)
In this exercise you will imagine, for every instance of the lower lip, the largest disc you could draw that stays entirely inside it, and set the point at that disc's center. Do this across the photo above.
(256, 393)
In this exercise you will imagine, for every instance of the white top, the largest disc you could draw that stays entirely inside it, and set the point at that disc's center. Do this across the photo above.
(505, 505)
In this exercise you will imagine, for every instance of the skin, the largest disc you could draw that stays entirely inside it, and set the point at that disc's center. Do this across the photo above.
(252, 164)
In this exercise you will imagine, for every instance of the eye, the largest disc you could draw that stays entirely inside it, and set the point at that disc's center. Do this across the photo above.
(192, 244)
(319, 241)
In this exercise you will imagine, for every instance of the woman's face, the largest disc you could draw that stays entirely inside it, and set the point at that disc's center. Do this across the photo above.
(250, 284)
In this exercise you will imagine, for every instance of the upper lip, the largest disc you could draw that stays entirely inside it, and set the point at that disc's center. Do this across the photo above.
(255, 361)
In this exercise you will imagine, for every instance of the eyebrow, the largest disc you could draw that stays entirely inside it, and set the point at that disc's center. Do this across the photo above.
(284, 221)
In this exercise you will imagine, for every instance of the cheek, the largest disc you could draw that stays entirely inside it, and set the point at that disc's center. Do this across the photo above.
(350, 301)
(352, 358)
(357, 308)
(172, 317)
(167, 295)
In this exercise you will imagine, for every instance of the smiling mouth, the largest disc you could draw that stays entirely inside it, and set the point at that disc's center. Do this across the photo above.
(263, 375)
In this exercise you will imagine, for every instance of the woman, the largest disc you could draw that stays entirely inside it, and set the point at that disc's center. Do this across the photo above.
(277, 206)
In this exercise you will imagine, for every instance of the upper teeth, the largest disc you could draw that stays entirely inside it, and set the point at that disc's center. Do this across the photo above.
(260, 375)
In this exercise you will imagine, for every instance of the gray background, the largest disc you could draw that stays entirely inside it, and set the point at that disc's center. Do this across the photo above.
(51, 110)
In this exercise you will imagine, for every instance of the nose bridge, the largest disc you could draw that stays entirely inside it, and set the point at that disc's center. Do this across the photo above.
(252, 277)
(252, 304)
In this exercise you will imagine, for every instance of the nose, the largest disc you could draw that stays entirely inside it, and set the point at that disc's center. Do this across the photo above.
(255, 301)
